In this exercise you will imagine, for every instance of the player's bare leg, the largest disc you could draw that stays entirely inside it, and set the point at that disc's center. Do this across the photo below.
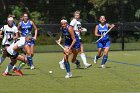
(104, 60)
(67, 65)
(4, 55)
(29, 56)
(83, 56)
(100, 50)
(74, 57)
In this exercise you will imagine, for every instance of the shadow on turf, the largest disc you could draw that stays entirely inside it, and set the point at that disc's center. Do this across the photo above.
(105, 67)
(23, 75)
(29, 68)
(79, 68)
(76, 77)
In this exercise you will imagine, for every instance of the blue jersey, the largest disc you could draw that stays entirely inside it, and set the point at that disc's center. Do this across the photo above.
(104, 42)
(26, 28)
(102, 30)
(68, 39)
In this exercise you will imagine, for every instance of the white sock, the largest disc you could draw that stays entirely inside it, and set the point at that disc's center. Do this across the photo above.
(1, 60)
(62, 61)
(83, 58)
(9, 67)
(21, 65)
(14, 66)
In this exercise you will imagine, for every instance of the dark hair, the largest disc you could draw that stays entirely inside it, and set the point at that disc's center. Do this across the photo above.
(29, 17)
(63, 18)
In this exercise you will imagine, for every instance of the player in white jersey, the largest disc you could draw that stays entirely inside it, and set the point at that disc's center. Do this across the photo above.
(12, 52)
(76, 24)
(9, 33)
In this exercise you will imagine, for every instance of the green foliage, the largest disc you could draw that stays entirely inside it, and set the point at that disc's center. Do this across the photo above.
(87, 37)
(44, 40)
(98, 3)
(17, 12)
(97, 6)
(50, 11)
(137, 14)
(36, 16)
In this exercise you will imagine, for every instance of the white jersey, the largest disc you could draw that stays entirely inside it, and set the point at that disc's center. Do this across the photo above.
(77, 26)
(20, 42)
(9, 32)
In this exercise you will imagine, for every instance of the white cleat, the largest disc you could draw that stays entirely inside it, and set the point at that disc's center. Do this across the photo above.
(61, 65)
(69, 75)
(95, 60)
(88, 65)
(103, 66)
(32, 67)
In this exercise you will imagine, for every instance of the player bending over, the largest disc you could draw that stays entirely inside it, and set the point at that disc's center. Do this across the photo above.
(103, 45)
(72, 45)
(12, 52)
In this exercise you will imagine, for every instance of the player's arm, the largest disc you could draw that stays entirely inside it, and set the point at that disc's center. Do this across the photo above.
(108, 25)
(71, 31)
(83, 29)
(1, 36)
(19, 28)
(73, 22)
(16, 36)
(35, 29)
(1, 32)
(60, 39)
(15, 48)
(16, 33)
(96, 31)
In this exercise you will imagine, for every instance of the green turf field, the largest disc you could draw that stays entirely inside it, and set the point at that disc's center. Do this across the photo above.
(88, 47)
(121, 76)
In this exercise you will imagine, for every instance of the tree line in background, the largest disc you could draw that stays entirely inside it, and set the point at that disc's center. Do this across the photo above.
(50, 11)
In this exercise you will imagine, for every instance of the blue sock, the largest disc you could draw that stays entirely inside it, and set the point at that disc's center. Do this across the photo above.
(97, 57)
(67, 66)
(29, 58)
(104, 59)
(77, 62)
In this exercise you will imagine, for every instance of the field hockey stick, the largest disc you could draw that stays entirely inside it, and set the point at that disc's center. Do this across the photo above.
(104, 34)
(51, 35)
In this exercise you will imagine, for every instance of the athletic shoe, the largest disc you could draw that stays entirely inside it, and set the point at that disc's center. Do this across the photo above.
(78, 64)
(61, 65)
(68, 75)
(32, 67)
(88, 65)
(18, 72)
(103, 66)
(95, 60)
(6, 74)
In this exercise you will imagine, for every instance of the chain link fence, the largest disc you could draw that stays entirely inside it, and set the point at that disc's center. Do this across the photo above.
(125, 36)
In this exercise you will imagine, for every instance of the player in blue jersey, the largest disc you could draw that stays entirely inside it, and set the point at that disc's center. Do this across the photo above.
(103, 45)
(25, 27)
(76, 24)
(72, 45)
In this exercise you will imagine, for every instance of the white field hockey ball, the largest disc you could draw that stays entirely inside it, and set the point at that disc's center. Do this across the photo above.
(50, 72)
